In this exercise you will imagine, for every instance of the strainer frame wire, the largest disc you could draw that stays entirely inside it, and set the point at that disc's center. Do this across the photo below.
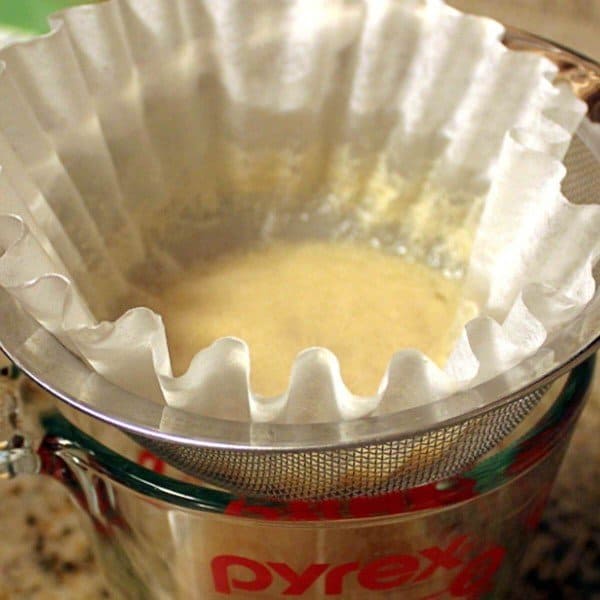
(52, 366)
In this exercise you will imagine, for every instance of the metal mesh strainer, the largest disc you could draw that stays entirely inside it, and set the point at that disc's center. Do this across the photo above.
(369, 469)
(337, 460)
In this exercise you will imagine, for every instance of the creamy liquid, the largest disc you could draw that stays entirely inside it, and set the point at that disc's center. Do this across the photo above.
(284, 297)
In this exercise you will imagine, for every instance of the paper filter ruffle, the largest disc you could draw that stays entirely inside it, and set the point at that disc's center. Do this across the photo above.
(139, 131)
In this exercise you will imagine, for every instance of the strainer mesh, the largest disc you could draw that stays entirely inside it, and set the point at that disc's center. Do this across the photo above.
(371, 469)
(582, 181)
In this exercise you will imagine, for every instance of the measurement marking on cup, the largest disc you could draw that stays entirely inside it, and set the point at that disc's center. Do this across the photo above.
(473, 577)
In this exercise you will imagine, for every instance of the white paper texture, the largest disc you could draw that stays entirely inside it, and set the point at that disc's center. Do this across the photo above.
(139, 126)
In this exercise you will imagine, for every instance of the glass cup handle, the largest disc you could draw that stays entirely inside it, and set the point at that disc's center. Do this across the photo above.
(17, 455)
(55, 456)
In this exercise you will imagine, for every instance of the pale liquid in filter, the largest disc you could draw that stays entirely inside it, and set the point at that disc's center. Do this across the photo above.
(284, 297)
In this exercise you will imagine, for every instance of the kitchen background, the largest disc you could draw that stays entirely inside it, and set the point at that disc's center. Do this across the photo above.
(48, 556)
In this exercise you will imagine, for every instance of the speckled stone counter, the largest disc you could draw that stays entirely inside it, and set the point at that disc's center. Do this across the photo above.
(48, 556)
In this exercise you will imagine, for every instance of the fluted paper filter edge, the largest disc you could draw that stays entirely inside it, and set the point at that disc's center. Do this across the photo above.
(80, 137)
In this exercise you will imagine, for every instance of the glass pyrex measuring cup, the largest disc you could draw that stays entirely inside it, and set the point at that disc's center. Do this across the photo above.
(157, 535)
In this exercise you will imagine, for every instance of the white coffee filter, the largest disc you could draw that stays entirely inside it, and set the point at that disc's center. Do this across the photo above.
(140, 134)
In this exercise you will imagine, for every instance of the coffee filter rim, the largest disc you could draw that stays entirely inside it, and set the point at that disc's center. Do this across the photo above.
(325, 364)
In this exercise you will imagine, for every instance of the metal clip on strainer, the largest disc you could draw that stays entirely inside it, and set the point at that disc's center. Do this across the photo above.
(339, 460)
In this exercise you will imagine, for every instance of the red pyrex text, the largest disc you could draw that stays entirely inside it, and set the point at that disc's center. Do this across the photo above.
(470, 578)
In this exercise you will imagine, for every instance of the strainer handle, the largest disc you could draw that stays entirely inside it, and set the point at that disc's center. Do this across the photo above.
(17, 455)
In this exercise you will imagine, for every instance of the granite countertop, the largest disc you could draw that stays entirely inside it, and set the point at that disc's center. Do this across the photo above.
(49, 557)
